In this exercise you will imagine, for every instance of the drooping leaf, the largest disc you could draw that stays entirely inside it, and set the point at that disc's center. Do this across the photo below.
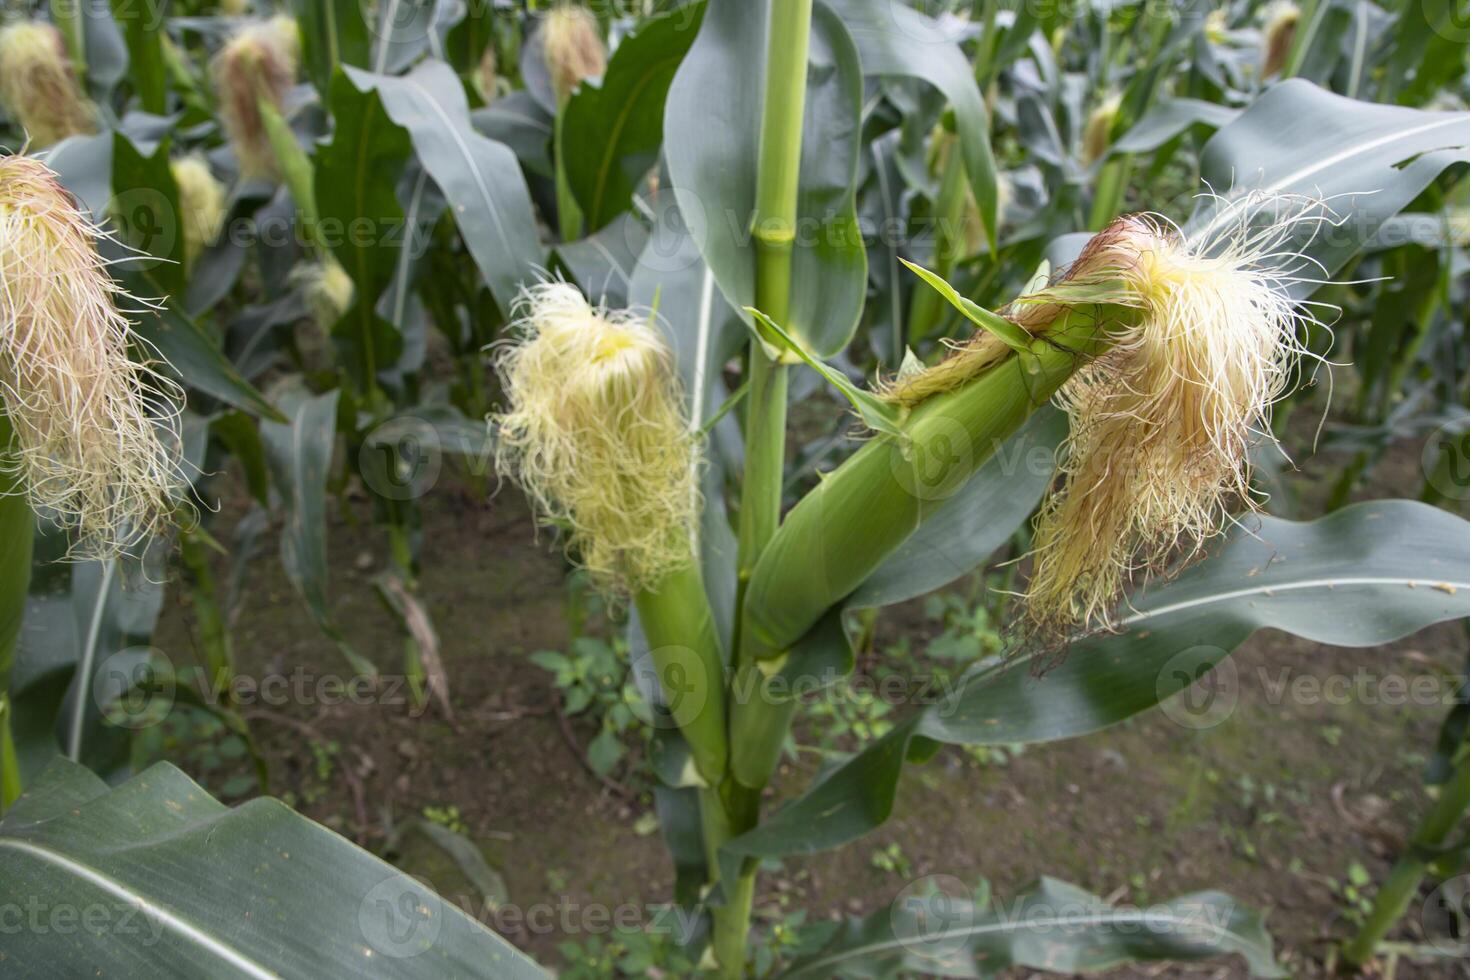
(479, 177)
(300, 456)
(199, 889)
(1053, 927)
(1365, 575)
(1366, 161)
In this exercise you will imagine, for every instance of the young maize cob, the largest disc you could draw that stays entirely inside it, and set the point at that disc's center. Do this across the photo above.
(1166, 353)
(596, 436)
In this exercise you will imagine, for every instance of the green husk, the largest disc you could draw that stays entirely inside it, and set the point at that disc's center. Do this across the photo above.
(686, 652)
(844, 529)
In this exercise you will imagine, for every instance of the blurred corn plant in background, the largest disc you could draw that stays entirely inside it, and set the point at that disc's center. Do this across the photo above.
(330, 209)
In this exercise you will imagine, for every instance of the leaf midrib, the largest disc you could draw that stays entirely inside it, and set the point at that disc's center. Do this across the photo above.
(1129, 917)
(149, 907)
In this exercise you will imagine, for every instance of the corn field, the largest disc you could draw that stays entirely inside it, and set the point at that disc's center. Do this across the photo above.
(734, 488)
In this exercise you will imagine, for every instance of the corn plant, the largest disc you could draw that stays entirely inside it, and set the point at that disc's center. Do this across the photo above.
(665, 247)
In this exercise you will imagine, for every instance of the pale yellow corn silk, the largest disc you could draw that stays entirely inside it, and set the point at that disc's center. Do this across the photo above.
(95, 433)
(202, 201)
(258, 63)
(596, 435)
(38, 86)
(573, 47)
(1097, 135)
(328, 291)
(1163, 422)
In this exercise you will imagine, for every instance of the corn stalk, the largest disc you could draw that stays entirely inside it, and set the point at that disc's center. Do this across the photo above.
(17, 528)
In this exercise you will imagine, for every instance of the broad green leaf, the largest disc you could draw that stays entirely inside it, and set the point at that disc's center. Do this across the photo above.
(1053, 927)
(300, 457)
(333, 33)
(711, 137)
(616, 126)
(362, 222)
(1366, 161)
(356, 175)
(146, 214)
(1167, 120)
(479, 177)
(1363, 576)
(194, 888)
(142, 24)
(195, 357)
(894, 39)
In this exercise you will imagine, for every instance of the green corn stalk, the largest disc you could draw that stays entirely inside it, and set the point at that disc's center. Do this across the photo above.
(729, 807)
(17, 528)
(1393, 899)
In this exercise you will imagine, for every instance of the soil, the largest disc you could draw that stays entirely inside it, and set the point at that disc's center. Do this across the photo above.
(1274, 805)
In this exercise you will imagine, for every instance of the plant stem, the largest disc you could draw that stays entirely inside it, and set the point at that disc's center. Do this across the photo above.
(1403, 881)
(10, 785)
(17, 530)
(67, 16)
(774, 234)
(726, 813)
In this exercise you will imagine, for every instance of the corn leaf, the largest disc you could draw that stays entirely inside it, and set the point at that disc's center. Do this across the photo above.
(200, 889)
(479, 177)
(1365, 161)
(895, 39)
(1365, 575)
(616, 125)
(1053, 926)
